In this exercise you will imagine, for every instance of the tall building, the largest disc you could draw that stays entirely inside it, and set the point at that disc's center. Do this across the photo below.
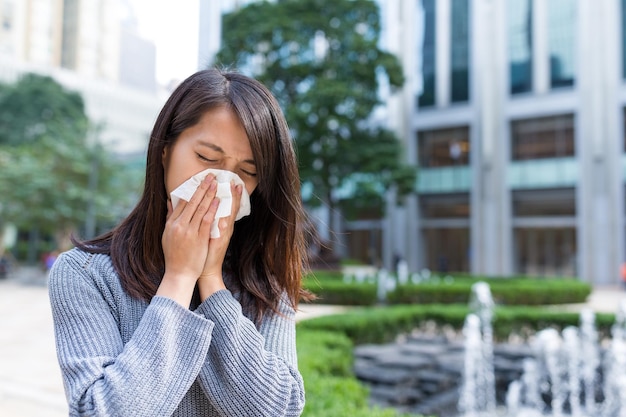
(518, 132)
(90, 47)
(210, 27)
(515, 113)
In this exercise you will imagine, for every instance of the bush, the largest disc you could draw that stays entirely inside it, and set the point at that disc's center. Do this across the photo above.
(340, 293)
(325, 345)
(384, 324)
(331, 289)
(325, 362)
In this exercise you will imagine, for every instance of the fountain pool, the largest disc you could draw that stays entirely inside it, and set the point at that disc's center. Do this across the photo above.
(571, 373)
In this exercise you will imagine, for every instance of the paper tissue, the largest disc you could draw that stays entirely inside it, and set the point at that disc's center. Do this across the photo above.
(224, 178)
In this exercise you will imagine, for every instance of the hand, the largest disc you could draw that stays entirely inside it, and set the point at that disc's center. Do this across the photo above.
(185, 241)
(211, 279)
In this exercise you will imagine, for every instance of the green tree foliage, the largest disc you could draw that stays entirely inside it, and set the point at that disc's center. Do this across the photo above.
(53, 175)
(321, 58)
(37, 107)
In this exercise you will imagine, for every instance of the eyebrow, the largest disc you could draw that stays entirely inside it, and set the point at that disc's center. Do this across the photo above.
(220, 150)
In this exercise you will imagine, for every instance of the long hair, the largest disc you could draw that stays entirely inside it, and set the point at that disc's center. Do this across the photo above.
(267, 252)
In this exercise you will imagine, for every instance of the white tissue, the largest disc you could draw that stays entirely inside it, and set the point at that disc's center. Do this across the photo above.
(186, 190)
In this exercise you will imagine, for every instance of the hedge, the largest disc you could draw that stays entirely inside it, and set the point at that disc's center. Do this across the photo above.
(325, 362)
(325, 346)
(331, 289)
(384, 324)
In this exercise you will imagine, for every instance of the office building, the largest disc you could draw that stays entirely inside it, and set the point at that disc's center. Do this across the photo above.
(518, 131)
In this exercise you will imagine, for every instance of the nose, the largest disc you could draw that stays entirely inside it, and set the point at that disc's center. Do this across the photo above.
(229, 164)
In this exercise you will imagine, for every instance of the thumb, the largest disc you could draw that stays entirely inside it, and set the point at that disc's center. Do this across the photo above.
(170, 209)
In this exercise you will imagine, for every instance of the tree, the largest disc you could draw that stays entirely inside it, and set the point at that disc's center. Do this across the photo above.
(36, 107)
(321, 59)
(48, 165)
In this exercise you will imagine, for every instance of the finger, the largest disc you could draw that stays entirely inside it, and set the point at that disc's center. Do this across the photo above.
(205, 226)
(236, 191)
(227, 224)
(170, 209)
(206, 205)
(191, 206)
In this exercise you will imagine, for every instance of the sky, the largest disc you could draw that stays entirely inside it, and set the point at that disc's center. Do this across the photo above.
(173, 27)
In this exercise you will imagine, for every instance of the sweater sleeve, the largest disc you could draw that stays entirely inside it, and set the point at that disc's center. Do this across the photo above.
(250, 372)
(147, 376)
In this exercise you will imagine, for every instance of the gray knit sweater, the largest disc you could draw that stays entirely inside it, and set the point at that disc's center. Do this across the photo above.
(124, 357)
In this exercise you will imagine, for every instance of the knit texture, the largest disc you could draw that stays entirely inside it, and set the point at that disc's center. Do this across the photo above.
(123, 357)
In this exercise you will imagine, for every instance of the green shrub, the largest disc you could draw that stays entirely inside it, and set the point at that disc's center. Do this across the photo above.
(325, 362)
(384, 324)
(331, 289)
(339, 293)
(325, 345)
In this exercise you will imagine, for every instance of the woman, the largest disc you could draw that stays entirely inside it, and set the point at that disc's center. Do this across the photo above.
(156, 318)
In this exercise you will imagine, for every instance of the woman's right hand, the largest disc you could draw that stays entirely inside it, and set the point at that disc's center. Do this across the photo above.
(185, 241)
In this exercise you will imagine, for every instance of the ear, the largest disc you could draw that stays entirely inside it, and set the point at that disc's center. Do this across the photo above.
(165, 157)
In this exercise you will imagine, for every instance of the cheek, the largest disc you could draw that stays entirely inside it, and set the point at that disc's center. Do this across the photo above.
(173, 177)
(250, 186)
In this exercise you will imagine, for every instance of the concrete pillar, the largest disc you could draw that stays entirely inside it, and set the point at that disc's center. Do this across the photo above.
(491, 244)
(599, 144)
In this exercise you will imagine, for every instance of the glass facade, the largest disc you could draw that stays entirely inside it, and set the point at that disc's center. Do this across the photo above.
(446, 232)
(545, 137)
(444, 147)
(623, 21)
(460, 51)
(562, 42)
(539, 249)
(427, 97)
(520, 45)
(545, 252)
(624, 129)
(447, 249)
(541, 203)
(449, 206)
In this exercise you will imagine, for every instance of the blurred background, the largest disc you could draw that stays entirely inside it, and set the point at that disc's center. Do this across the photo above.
(480, 136)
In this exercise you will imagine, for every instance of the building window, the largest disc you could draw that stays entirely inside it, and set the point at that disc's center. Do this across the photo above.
(452, 206)
(624, 126)
(561, 38)
(624, 39)
(559, 202)
(519, 23)
(447, 250)
(460, 50)
(546, 137)
(427, 97)
(545, 252)
(444, 147)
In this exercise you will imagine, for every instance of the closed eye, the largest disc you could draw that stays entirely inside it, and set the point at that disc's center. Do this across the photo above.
(251, 174)
(205, 159)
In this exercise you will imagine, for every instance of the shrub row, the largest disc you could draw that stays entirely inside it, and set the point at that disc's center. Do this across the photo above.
(325, 362)
(331, 289)
(325, 346)
(383, 324)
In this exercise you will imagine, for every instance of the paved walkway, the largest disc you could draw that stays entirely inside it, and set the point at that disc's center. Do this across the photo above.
(30, 381)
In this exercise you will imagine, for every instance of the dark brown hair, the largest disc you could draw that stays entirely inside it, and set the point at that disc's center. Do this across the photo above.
(267, 253)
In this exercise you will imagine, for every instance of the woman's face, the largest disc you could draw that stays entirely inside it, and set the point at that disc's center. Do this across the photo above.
(217, 141)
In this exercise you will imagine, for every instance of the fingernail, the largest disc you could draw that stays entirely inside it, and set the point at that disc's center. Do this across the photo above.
(239, 189)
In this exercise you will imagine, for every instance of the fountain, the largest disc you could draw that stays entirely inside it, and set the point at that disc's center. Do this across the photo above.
(569, 375)
(478, 392)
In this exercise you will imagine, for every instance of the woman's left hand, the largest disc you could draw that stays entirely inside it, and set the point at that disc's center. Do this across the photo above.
(211, 279)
